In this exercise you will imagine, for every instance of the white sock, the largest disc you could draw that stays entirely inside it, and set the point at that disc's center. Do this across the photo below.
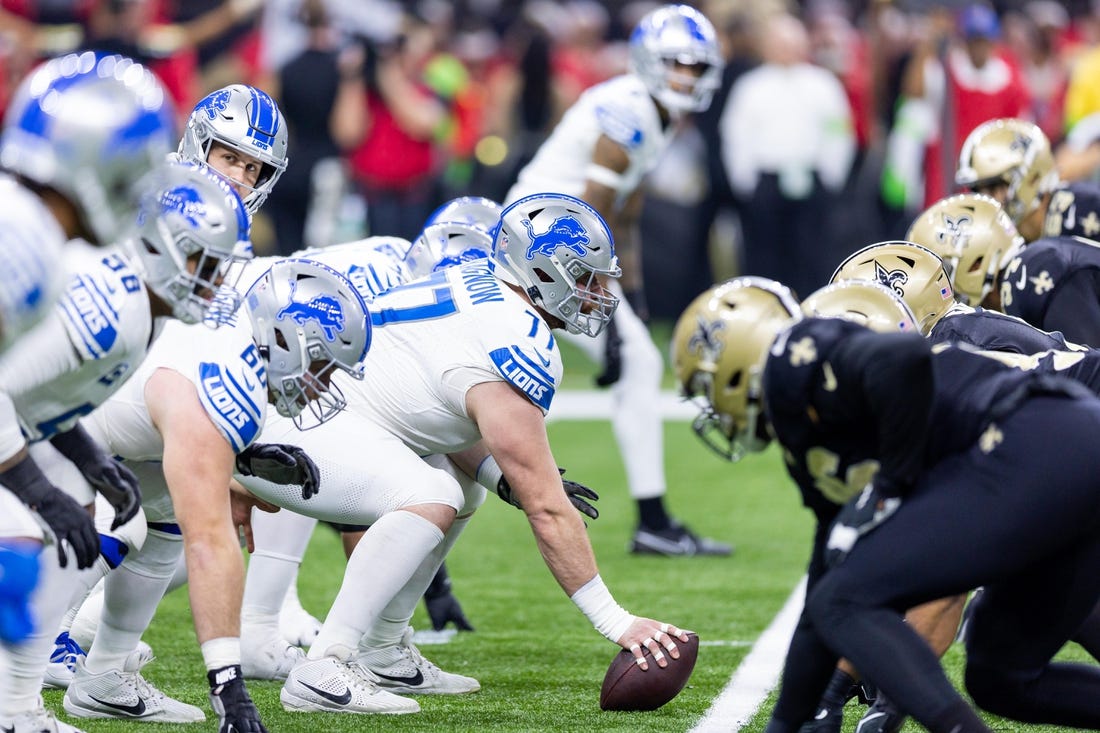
(131, 594)
(359, 603)
(83, 627)
(394, 618)
(281, 540)
(24, 663)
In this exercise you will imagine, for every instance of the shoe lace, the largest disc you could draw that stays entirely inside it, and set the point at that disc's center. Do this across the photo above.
(360, 677)
(413, 653)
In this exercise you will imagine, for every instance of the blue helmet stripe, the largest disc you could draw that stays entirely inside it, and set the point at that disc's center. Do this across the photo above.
(693, 27)
(264, 121)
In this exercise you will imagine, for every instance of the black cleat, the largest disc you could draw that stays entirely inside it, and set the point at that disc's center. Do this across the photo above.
(882, 717)
(676, 541)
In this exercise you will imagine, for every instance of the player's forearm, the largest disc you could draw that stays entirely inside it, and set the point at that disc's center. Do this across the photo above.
(564, 547)
(216, 581)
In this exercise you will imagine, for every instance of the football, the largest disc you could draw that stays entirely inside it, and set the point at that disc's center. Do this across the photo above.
(627, 687)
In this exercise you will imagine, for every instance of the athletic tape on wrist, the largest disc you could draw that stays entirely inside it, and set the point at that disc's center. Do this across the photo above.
(595, 601)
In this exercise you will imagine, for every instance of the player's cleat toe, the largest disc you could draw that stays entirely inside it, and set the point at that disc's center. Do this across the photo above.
(882, 717)
(402, 668)
(269, 658)
(676, 541)
(331, 685)
(39, 720)
(125, 695)
(62, 664)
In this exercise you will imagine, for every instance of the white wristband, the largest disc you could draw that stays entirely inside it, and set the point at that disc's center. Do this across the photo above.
(488, 473)
(595, 602)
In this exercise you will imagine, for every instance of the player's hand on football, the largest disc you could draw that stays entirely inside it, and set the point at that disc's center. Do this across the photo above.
(580, 496)
(658, 637)
(70, 523)
(859, 516)
(281, 464)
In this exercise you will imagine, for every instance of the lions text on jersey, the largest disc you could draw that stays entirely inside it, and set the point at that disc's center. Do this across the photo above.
(85, 349)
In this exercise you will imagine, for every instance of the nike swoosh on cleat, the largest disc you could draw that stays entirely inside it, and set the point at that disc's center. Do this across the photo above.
(824, 713)
(137, 709)
(343, 699)
(414, 681)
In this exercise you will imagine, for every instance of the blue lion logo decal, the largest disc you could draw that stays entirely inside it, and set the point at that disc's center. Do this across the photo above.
(185, 201)
(214, 103)
(565, 231)
(893, 279)
(466, 255)
(325, 309)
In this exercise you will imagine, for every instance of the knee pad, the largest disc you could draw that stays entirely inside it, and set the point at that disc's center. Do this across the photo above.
(159, 555)
(116, 543)
(473, 493)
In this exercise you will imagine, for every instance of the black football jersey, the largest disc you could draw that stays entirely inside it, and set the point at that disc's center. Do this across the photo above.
(993, 331)
(1074, 211)
(1054, 284)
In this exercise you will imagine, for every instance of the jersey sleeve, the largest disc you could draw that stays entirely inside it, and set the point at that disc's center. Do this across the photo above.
(527, 357)
(620, 123)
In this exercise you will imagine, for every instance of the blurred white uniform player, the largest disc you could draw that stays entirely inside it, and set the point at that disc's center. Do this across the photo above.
(600, 151)
(183, 423)
(458, 357)
(80, 131)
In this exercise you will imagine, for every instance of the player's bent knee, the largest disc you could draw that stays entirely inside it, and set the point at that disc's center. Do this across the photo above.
(998, 690)
(132, 534)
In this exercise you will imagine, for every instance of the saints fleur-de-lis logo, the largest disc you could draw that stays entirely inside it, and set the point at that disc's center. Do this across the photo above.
(893, 279)
(802, 352)
(990, 439)
(1042, 282)
(955, 231)
(704, 339)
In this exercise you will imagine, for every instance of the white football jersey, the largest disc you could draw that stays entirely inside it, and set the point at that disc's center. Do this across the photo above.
(85, 349)
(228, 373)
(33, 276)
(620, 108)
(435, 338)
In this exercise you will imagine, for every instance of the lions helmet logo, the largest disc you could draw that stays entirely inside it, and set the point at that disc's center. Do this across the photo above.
(565, 231)
(185, 201)
(324, 309)
(893, 279)
(466, 255)
(213, 104)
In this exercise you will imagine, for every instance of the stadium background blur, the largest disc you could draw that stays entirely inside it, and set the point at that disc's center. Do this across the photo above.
(465, 91)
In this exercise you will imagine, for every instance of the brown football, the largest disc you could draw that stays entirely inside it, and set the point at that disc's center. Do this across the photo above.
(627, 687)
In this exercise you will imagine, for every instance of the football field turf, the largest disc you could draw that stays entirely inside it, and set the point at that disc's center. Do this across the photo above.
(539, 661)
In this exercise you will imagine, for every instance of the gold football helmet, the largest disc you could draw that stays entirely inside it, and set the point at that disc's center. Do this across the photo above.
(1010, 152)
(868, 303)
(972, 234)
(914, 272)
(719, 347)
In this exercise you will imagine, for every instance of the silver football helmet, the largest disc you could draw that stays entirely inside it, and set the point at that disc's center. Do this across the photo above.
(191, 226)
(244, 119)
(556, 247)
(445, 244)
(89, 125)
(671, 35)
(719, 347)
(865, 302)
(468, 210)
(308, 321)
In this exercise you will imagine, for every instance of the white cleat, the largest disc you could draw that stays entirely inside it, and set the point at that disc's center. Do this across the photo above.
(39, 720)
(271, 659)
(402, 668)
(331, 685)
(62, 665)
(125, 695)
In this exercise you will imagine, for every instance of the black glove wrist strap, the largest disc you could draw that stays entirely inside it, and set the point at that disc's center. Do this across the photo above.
(77, 446)
(26, 480)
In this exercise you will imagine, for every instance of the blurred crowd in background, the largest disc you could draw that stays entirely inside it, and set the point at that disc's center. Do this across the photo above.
(837, 122)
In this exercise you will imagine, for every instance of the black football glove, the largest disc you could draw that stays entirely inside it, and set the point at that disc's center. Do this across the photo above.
(280, 464)
(228, 696)
(443, 607)
(858, 517)
(612, 356)
(68, 521)
(579, 495)
(117, 483)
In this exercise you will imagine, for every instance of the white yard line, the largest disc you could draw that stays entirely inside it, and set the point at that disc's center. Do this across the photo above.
(596, 405)
(756, 677)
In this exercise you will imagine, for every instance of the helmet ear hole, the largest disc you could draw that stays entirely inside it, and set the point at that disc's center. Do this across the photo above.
(543, 275)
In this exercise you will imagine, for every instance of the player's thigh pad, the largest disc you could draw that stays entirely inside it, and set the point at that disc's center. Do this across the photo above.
(16, 520)
(366, 472)
(473, 493)
(61, 472)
